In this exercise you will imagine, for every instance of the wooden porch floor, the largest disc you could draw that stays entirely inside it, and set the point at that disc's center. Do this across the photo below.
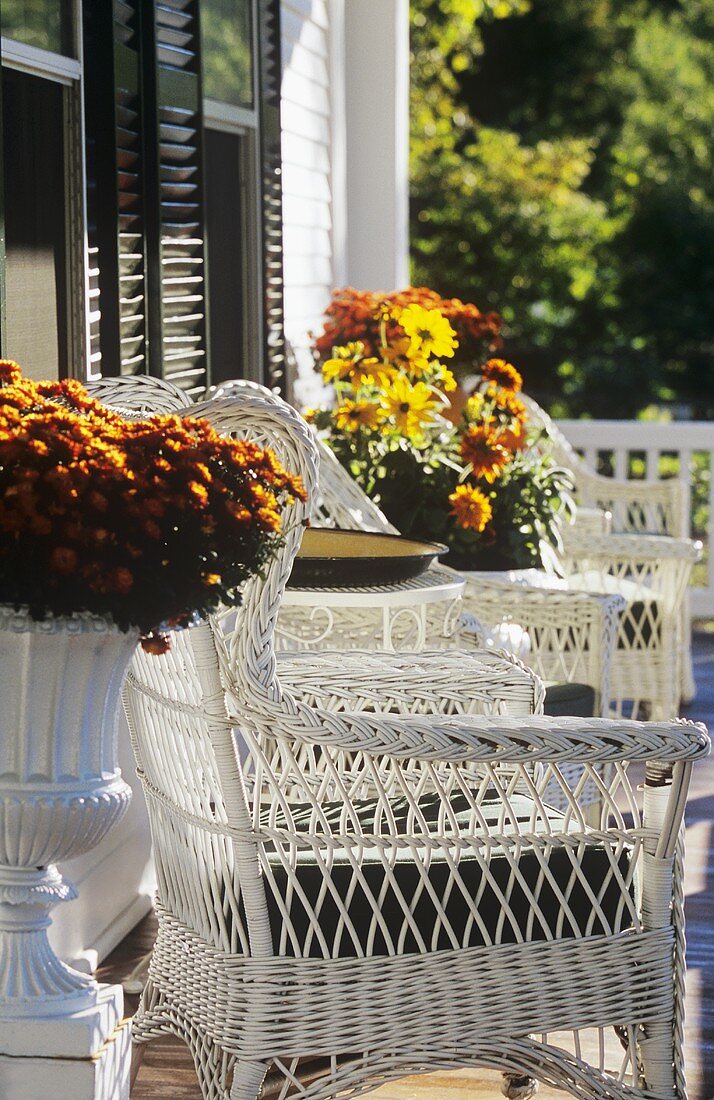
(167, 1071)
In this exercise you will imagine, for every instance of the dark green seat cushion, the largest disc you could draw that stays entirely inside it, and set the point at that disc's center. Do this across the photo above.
(569, 700)
(559, 884)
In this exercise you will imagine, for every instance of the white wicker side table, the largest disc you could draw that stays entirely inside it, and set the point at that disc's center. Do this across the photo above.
(403, 612)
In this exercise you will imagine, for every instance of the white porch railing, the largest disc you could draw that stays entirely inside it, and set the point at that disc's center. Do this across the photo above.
(639, 448)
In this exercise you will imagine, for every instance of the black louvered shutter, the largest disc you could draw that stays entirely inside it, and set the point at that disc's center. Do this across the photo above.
(145, 200)
(115, 189)
(174, 163)
(271, 173)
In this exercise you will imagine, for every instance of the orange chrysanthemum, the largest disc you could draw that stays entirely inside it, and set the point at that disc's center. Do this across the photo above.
(471, 507)
(482, 450)
(504, 374)
(127, 519)
(358, 315)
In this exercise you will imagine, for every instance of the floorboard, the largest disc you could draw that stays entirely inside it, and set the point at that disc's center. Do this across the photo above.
(167, 1071)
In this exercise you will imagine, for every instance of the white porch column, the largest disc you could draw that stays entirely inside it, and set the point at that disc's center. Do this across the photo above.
(376, 135)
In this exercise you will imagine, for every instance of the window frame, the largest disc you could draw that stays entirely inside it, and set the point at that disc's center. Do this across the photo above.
(66, 72)
(244, 123)
(263, 354)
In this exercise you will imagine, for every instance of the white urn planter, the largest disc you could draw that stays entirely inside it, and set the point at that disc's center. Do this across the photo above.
(60, 793)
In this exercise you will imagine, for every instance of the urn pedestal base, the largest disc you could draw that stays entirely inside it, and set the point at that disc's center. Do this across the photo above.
(62, 1036)
(83, 1056)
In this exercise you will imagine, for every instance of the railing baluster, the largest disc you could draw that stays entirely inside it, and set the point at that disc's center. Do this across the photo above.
(622, 458)
(688, 440)
(652, 463)
(686, 471)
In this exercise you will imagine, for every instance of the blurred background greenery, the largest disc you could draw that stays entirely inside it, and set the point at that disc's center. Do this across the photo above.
(561, 174)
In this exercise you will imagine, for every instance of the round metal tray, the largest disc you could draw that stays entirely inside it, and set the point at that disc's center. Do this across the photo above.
(330, 558)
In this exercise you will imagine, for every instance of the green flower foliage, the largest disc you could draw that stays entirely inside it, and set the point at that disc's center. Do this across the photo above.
(561, 174)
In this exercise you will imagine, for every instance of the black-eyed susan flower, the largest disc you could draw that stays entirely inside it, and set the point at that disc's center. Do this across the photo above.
(504, 374)
(410, 406)
(483, 452)
(350, 416)
(470, 507)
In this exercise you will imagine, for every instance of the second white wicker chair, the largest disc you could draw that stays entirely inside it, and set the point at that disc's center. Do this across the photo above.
(638, 507)
(571, 635)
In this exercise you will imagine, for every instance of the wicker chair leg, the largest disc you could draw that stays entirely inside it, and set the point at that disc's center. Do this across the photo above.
(518, 1086)
(248, 1079)
(138, 1050)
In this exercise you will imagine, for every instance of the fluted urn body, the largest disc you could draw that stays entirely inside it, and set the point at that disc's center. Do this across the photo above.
(60, 790)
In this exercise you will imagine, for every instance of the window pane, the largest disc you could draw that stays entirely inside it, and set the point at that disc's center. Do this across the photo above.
(226, 251)
(227, 51)
(42, 23)
(35, 256)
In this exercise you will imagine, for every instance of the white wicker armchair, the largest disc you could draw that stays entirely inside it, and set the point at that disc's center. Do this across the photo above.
(637, 506)
(368, 882)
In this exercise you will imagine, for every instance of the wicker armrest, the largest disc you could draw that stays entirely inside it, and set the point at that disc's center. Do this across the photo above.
(634, 489)
(486, 739)
(632, 547)
(445, 682)
(494, 600)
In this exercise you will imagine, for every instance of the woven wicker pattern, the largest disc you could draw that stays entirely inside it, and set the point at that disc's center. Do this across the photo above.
(140, 394)
(637, 507)
(652, 573)
(361, 876)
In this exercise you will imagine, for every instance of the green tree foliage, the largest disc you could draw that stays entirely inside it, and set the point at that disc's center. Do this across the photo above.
(561, 173)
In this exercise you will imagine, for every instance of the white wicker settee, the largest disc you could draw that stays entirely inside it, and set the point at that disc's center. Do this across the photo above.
(359, 876)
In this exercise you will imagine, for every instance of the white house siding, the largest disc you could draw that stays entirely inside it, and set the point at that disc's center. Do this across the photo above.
(308, 106)
(345, 157)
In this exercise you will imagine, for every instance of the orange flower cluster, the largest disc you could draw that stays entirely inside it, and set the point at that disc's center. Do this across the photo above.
(470, 508)
(493, 430)
(503, 374)
(146, 522)
(355, 315)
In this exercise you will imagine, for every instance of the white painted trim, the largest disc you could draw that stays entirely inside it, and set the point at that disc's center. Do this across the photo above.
(376, 74)
(225, 116)
(81, 137)
(36, 62)
(338, 142)
(401, 144)
(115, 932)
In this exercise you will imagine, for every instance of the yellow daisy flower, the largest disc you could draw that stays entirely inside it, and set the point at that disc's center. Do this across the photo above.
(356, 371)
(351, 350)
(396, 349)
(474, 406)
(447, 380)
(411, 406)
(429, 331)
(350, 416)
(337, 370)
